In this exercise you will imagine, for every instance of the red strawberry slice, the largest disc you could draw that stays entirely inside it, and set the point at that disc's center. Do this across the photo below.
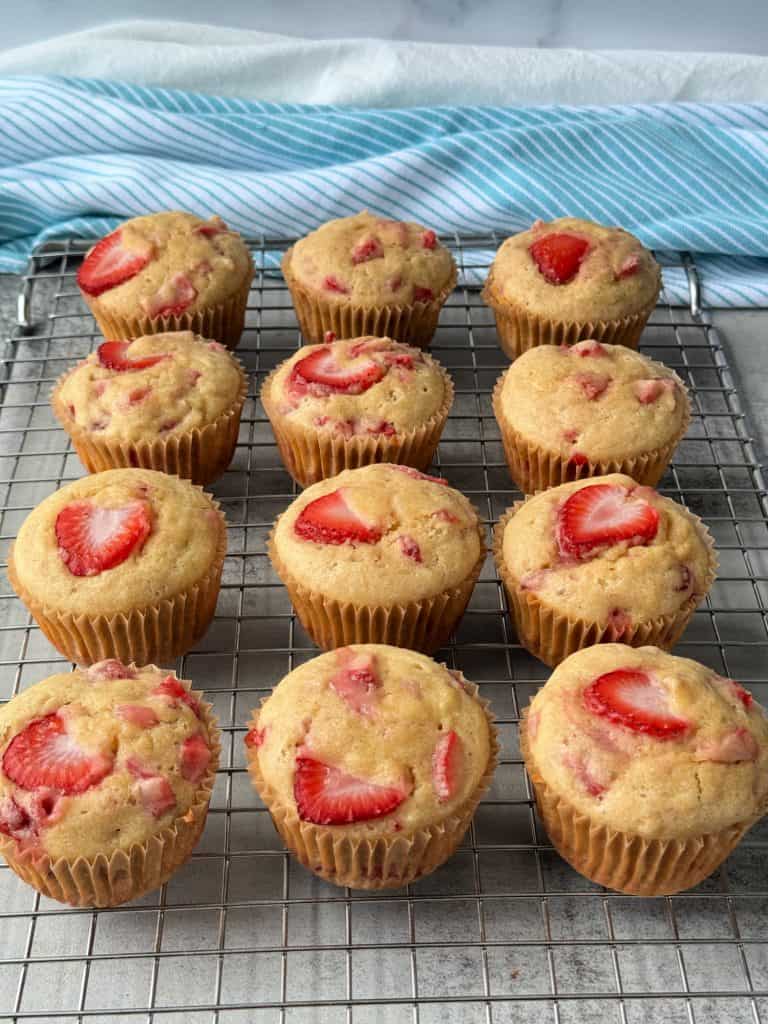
(92, 538)
(559, 256)
(648, 391)
(736, 744)
(113, 355)
(367, 249)
(410, 548)
(322, 368)
(175, 691)
(109, 264)
(629, 267)
(601, 515)
(417, 475)
(634, 700)
(446, 765)
(325, 795)
(137, 714)
(429, 239)
(172, 298)
(590, 347)
(255, 737)
(356, 679)
(212, 227)
(592, 384)
(110, 669)
(195, 757)
(578, 459)
(14, 820)
(156, 795)
(43, 754)
(332, 284)
(422, 294)
(330, 520)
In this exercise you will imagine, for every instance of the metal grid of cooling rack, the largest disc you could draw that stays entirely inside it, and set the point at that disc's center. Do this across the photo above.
(506, 931)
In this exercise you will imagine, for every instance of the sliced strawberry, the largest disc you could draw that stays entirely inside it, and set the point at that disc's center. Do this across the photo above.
(113, 355)
(734, 745)
(367, 249)
(559, 256)
(255, 737)
(583, 773)
(445, 516)
(320, 373)
(356, 679)
(417, 475)
(619, 621)
(110, 669)
(325, 795)
(43, 754)
(109, 264)
(172, 297)
(195, 757)
(446, 765)
(92, 538)
(590, 347)
(212, 227)
(14, 820)
(156, 795)
(600, 515)
(429, 239)
(174, 690)
(138, 395)
(330, 520)
(744, 695)
(332, 284)
(395, 283)
(571, 435)
(648, 391)
(629, 267)
(592, 384)
(634, 700)
(422, 294)
(578, 459)
(410, 548)
(137, 714)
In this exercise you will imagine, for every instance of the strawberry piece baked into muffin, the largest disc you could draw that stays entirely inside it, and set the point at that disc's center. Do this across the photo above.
(601, 560)
(123, 564)
(105, 779)
(371, 761)
(569, 280)
(170, 402)
(648, 769)
(588, 410)
(350, 403)
(169, 272)
(364, 275)
(380, 554)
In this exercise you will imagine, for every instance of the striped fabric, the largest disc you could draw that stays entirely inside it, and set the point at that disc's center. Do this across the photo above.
(78, 156)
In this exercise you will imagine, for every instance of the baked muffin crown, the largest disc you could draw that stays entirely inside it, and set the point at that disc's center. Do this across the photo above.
(648, 743)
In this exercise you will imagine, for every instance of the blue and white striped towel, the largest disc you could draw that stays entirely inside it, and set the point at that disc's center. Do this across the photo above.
(77, 156)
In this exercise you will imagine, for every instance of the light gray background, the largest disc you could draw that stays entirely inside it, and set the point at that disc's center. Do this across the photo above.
(707, 25)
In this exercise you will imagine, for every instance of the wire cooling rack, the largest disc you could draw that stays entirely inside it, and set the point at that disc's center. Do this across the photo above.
(506, 931)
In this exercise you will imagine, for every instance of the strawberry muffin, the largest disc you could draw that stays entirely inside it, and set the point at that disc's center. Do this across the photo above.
(170, 402)
(601, 560)
(122, 564)
(587, 410)
(380, 554)
(105, 778)
(569, 280)
(346, 404)
(371, 761)
(168, 272)
(366, 275)
(647, 769)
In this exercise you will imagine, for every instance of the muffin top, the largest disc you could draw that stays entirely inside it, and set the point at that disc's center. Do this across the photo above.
(363, 386)
(369, 260)
(593, 401)
(98, 759)
(377, 737)
(379, 535)
(155, 386)
(118, 540)
(572, 269)
(608, 550)
(642, 741)
(165, 264)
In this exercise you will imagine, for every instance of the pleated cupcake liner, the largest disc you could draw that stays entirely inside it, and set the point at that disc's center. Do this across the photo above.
(200, 454)
(310, 454)
(108, 880)
(518, 329)
(423, 625)
(552, 636)
(533, 468)
(223, 323)
(414, 324)
(345, 855)
(159, 632)
(627, 861)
